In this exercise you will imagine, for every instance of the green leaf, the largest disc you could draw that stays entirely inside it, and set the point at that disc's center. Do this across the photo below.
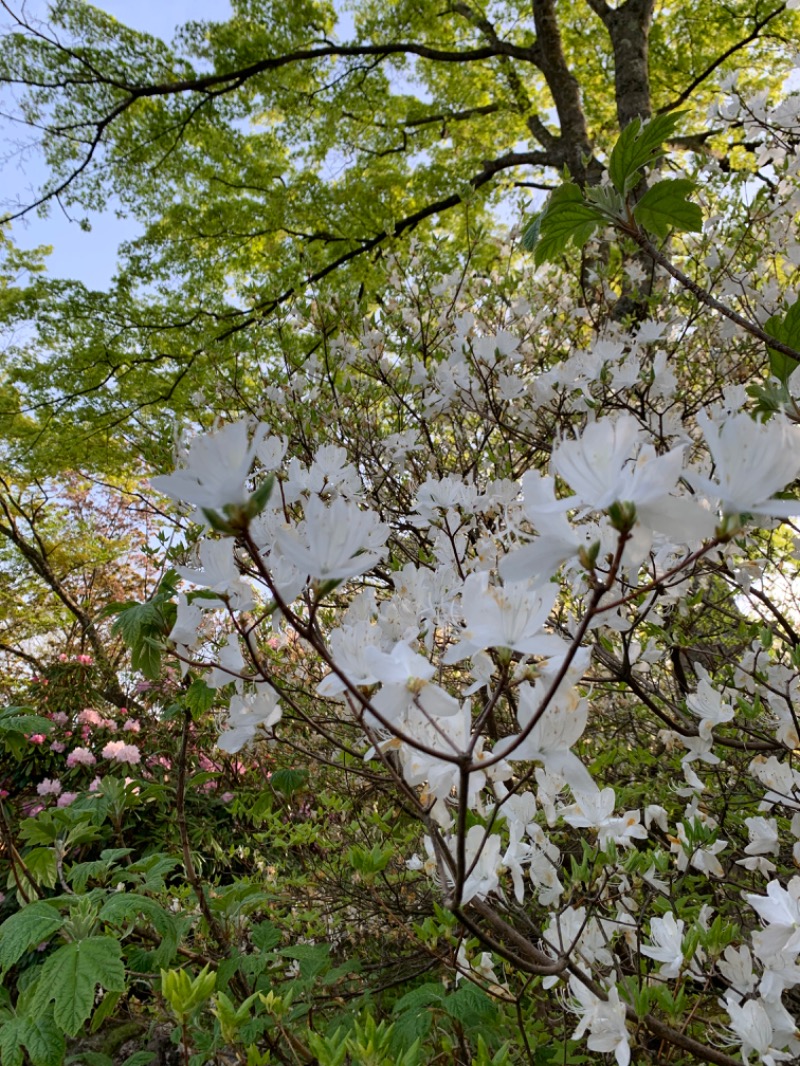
(470, 1004)
(199, 697)
(665, 207)
(313, 958)
(69, 977)
(785, 329)
(43, 1040)
(139, 1058)
(288, 781)
(424, 996)
(639, 145)
(265, 936)
(567, 219)
(11, 1042)
(26, 928)
(13, 722)
(530, 235)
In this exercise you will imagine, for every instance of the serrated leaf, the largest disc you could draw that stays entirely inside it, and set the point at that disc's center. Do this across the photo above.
(530, 235)
(567, 219)
(470, 1004)
(786, 329)
(265, 936)
(69, 978)
(10, 1042)
(313, 958)
(43, 1040)
(664, 207)
(424, 996)
(30, 926)
(639, 145)
(199, 697)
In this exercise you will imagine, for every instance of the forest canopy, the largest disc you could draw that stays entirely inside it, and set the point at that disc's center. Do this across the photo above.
(398, 556)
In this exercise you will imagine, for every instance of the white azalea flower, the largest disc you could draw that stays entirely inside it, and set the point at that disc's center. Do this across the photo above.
(216, 470)
(245, 715)
(604, 1019)
(667, 946)
(609, 463)
(509, 617)
(752, 461)
(334, 542)
(780, 909)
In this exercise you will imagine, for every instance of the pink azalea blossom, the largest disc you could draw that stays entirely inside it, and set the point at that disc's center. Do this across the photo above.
(37, 738)
(66, 798)
(81, 757)
(122, 752)
(49, 787)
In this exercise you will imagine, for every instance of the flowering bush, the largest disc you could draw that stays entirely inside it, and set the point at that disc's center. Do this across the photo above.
(515, 615)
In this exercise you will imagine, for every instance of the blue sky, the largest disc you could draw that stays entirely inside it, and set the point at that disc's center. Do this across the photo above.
(91, 257)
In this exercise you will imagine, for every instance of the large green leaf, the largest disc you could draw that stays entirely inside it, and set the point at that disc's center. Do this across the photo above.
(785, 329)
(11, 1042)
(43, 1040)
(30, 926)
(639, 145)
(69, 978)
(566, 220)
(665, 207)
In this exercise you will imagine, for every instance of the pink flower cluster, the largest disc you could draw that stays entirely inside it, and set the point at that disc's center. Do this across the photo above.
(119, 751)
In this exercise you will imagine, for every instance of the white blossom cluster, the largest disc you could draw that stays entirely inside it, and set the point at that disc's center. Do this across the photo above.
(418, 614)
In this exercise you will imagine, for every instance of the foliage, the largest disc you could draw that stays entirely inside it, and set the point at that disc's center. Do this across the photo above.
(441, 705)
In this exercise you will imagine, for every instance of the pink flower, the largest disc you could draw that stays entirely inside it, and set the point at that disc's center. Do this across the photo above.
(95, 785)
(66, 798)
(58, 746)
(59, 717)
(226, 797)
(132, 726)
(81, 757)
(49, 787)
(84, 660)
(122, 752)
(62, 658)
(89, 716)
(37, 738)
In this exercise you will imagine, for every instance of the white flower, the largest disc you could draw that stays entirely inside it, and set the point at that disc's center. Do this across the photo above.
(753, 1027)
(216, 470)
(246, 714)
(752, 461)
(595, 810)
(667, 946)
(781, 911)
(510, 617)
(600, 467)
(560, 727)
(220, 573)
(707, 704)
(737, 969)
(335, 542)
(605, 1021)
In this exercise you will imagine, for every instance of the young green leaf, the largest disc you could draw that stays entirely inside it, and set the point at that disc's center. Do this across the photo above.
(639, 145)
(665, 207)
(785, 329)
(567, 219)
